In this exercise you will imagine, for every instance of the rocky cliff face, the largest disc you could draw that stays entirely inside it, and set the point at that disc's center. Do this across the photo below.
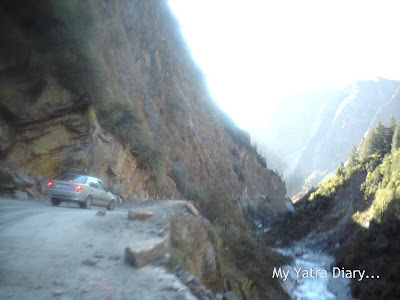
(74, 76)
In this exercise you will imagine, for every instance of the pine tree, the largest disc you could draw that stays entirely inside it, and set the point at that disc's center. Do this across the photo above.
(340, 170)
(376, 142)
(389, 134)
(387, 139)
(396, 138)
(353, 157)
(392, 123)
(361, 149)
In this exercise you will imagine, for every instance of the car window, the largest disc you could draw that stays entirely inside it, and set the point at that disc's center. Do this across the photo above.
(74, 178)
(94, 185)
(101, 186)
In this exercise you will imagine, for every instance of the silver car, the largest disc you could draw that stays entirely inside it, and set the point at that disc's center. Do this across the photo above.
(81, 189)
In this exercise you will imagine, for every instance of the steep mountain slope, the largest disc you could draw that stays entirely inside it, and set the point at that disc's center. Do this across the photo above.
(319, 129)
(109, 88)
(389, 109)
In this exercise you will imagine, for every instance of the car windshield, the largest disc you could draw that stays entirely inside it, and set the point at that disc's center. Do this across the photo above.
(74, 178)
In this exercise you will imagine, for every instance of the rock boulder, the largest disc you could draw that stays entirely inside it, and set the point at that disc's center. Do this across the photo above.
(139, 215)
(192, 209)
(144, 252)
(231, 295)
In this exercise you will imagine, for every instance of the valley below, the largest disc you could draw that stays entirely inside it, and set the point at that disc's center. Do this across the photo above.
(310, 276)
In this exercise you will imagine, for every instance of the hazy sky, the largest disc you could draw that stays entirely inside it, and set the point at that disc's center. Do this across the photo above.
(255, 52)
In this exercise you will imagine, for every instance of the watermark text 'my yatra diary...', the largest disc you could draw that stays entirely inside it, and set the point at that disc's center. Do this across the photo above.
(315, 273)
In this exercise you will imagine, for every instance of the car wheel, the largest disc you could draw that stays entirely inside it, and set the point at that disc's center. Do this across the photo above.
(88, 202)
(55, 202)
(111, 206)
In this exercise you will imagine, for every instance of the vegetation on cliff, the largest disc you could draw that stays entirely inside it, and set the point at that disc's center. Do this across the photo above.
(374, 245)
(244, 261)
(371, 240)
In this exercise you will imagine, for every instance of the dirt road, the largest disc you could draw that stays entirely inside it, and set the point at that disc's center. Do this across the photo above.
(70, 253)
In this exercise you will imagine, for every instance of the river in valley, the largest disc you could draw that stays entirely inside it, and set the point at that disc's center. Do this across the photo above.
(320, 283)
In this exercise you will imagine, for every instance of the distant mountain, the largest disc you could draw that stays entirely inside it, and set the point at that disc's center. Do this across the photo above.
(308, 135)
(390, 108)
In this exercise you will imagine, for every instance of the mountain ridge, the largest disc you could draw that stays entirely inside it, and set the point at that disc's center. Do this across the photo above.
(328, 124)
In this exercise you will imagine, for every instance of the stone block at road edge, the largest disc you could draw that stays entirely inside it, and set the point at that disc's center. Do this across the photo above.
(140, 215)
(144, 252)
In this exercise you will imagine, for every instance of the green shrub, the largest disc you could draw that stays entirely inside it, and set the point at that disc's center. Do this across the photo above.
(374, 250)
(120, 117)
(180, 178)
(238, 135)
(241, 177)
(239, 173)
(296, 225)
(261, 159)
(242, 138)
(236, 169)
(148, 153)
(234, 152)
(126, 123)
(244, 259)
(199, 195)
(180, 256)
